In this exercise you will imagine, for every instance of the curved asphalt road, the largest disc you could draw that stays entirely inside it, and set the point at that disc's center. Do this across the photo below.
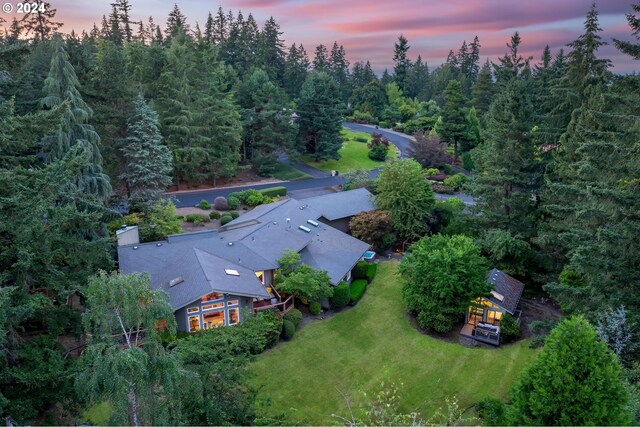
(192, 198)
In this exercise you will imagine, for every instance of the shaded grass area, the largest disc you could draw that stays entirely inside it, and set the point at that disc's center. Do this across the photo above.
(354, 351)
(99, 414)
(353, 154)
(288, 173)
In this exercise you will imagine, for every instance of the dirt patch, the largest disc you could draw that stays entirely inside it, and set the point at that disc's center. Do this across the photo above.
(243, 177)
(537, 308)
(325, 314)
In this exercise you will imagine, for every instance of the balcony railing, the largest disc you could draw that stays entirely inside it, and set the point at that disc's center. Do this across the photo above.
(282, 306)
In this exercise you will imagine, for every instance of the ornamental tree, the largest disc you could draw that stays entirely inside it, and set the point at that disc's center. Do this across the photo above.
(301, 280)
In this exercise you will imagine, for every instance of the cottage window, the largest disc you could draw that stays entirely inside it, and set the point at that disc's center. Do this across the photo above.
(212, 297)
(194, 323)
(232, 302)
(212, 306)
(234, 316)
(213, 320)
(193, 310)
(260, 276)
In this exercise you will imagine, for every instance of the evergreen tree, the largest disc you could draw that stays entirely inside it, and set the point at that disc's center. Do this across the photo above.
(296, 69)
(483, 91)
(208, 29)
(60, 86)
(124, 8)
(272, 51)
(454, 128)
(176, 23)
(386, 78)
(40, 22)
(629, 48)
(115, 32)
(266, 129)
(512, 64)
(576, 380)
(418, 80)
(339, 70)
(220, 28)
(321, 61)
(402, 64)
(148, 163)
(320, 121)
(14, 32)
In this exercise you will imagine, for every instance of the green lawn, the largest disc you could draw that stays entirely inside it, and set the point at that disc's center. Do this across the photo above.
(353, 154)
(356, 350)
(288, 173)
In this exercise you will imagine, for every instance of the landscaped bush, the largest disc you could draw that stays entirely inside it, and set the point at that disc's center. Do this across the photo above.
(226, 219)
(234, 214)
(220, 204)
(360, 270)
(361, 139)
(467, 161)
(233, 202)
(378, 152)
(492, 411)
(509, 329)
(447, 169)
(315, 308)
(288, 329)
(294, 316)
(251, 197)
(361, 117)
(197, 218)
(432, 171)
(371, 271)
(456, 181)
(356, 290)
(214, 215)
(443, 189)
(274, 191)
(204, 205)
(268, 324)
(384, 124)
(341, 296)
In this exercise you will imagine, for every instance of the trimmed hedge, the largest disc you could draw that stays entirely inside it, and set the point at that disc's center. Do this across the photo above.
(220, 204)
(341, 296)
(274, 191)
(214, 215)
(197, 218)
(360, 270)
(288, 329)
(204, 205)
(456, 181)
(356, 290)
(234, 214)
(233, 202)
(226, 219)
(315, 308)
(372, 268)
(294, 316)
(443, 189)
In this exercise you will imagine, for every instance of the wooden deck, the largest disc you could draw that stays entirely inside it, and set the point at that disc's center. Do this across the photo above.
(470, 331)
(283, 306)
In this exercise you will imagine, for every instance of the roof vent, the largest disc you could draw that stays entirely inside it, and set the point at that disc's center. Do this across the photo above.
(230, 243)
(305, 229)
(176, 281)
(158, 244)
(312, 222)
(135, 247)
(231, 272)
(497, 296)
(275, 222)
(124, 226)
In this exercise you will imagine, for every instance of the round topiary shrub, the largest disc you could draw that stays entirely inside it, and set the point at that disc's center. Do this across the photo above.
(204, 205)
(341, 296)
(234, 214)
(288, 330)
(214, 215)
(224, 219)
(221, 204)
(294, 316)
(314, 308)
(233, 202)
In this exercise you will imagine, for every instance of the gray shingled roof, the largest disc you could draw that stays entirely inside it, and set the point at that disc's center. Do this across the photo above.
(506, 286)
(342, 204)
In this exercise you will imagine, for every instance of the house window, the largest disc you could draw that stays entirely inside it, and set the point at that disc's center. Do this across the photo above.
(260, 276)
(194, 323)
(213, 320)
(232, 302)
(193, 310)
(212, 306)
(347, 278)
(234, 316)
(212, 297)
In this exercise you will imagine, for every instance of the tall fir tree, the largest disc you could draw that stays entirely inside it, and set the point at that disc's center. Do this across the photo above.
(402, 64)
(41, 22)
(147, 162)
(60, 86)
(296, 68)
(454, 117)
(339, 70)
(321, 61)
(512, 64)
(483, 91)
(272, 51)
(631, 49)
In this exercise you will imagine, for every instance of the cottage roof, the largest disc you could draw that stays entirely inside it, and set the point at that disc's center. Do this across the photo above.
(506, 290)
(342, 204)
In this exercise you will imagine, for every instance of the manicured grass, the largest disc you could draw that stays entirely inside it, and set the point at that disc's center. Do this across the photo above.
(356, 350)
(99, 414)
(353, 155)
(289, 173)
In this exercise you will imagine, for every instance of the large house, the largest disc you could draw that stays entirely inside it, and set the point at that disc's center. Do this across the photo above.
(485, 314)
(214, 277)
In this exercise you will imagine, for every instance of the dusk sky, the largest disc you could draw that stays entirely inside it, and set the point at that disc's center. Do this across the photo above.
(369, 28)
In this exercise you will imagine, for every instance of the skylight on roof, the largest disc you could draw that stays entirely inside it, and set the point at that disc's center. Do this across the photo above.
(176, 281)
(497, 295)
(305, 229)
(312, 222)
(231, 272)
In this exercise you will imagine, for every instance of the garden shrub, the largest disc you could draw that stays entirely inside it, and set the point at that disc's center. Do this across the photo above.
(315, 308)
(360, 270)
(192, 217)
(294, 316)
(432, 172)
(443, 189)
(220, 204)
(225, 219)
(371, 271)
(233, 202)
(274, 191)
(214, 215)
(269, 325)
(288, 329)
(378, 152)
(509, 329)
(234, 214)
(356, 290)
(251, 197)
(467, 161)
(447, 169)
(387, 241)
(204, 205)
(456, 181)
(384, 124)
(492, 412)
(360, 139)
(341, 296)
